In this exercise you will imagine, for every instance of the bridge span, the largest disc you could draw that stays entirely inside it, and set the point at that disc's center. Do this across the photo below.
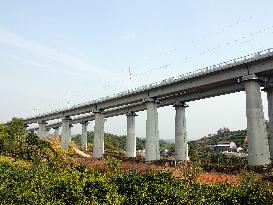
(248, 73)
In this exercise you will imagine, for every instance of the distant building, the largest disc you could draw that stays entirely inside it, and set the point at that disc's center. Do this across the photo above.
(223, 146)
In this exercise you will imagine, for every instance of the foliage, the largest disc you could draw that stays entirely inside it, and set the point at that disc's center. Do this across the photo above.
(40, 184)
(189, 171)
(113, 164)
(15, 142)
(198, 150)
(54, 181)
(12, 136)
(170, 147)
(223, 134)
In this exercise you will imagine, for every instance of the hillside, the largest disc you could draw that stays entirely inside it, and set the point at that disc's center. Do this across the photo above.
(198, 150)
(224, 134)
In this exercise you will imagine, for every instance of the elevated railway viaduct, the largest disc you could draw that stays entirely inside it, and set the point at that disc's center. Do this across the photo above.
(248, 73)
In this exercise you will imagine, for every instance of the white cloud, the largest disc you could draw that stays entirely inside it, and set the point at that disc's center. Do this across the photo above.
(68, 62)
(50, 67)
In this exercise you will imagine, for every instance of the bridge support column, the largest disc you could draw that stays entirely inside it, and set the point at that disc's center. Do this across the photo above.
(47, 131)
(131, 135)
(69, 133)
(157, 137)
(66, 132)
(258, 150)
(98, 148)
(56, 131)
(181, 152)
(269, 91)
(84, 135)
(41, 129)
(151, 145)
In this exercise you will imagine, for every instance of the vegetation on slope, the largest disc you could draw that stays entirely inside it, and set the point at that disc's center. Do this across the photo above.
(47, 184)
(199, 152)
(16, 143)
(32, 171)
(224, 134)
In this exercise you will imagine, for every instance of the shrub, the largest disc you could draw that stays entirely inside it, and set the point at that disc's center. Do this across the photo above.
(40, 184)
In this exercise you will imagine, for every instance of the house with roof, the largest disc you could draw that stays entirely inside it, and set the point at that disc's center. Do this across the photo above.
(223, 146)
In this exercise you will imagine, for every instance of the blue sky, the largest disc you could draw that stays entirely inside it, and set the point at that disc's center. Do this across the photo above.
(50, 47)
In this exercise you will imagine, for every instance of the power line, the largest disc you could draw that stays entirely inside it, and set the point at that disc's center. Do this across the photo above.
(242, 40)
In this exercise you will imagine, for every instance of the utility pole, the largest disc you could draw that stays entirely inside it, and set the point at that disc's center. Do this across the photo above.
(34, 110)
(130, 78)
(68, 101)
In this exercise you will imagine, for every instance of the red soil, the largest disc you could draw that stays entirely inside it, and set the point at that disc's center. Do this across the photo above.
(212, 178)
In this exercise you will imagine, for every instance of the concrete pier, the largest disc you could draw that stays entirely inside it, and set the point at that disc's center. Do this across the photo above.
(56, 131)
(84, 135)
(151, 131)
(98, 148)
(269, 91)
(69, 133)
(41, 129)
(258, 149)
(131, 135)
(66, 132)
(47, 130)
(181, 152)
(157, 137)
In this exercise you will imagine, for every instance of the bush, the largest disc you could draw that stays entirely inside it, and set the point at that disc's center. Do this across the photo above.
(15, 142)
(53, 181)
(40, 184)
